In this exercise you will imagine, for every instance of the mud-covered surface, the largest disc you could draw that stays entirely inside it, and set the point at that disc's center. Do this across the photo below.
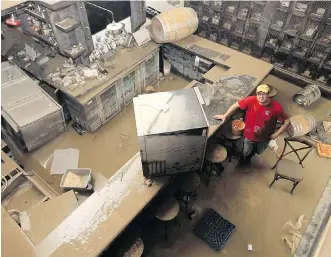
(228, 91)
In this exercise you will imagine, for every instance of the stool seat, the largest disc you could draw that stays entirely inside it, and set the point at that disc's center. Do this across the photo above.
(228, 135)
(215, 153)
(273, 91)
(189, 181)
(136, 249)
(169, 210)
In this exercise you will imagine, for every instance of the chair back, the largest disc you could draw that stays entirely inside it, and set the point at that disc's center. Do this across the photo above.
(304, 145)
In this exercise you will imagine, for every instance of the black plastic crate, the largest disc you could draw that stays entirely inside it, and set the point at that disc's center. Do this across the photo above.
(256, 12)
(268, 54)
(296, 65)
(318, 54)
(319, 9)
(324, 38)
(272, 39)
(226, 24)
(324, 75)
(279, 20)
(236, 42)
(216, 5)
(301, 6)
(311, 29)
(281, 59)
(240, 27)
(243, 10)
(287, 44)
(295, 25)
(205, 15)
(203, 30)
(301, 48)
(214, 33)
(214, 229)
(230, 8)
(215, 17)
(310, 71)
(224, 37)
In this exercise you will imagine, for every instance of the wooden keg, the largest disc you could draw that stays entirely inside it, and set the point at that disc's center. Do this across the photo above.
(173, 25)
(301, 125)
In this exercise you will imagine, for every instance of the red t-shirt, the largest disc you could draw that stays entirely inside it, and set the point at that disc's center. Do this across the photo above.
(261, 120)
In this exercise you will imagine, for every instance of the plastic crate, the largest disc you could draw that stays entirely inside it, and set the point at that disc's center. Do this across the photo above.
(318, 9)
(224, 37)
(301, 49)
(230, 8)
(214, 229)
(318, 54)
(214, 33)
(215, 17)
(203, 30)
(243, 10)
(240, 27)
(252, 30)
(311, 29)
(324, 38)
(267, 54)
(294, 64)
(295, 25)
(227, 24)
(287, 44)
(278, 20)
(301, 6)
(256, 12)
(236, 42)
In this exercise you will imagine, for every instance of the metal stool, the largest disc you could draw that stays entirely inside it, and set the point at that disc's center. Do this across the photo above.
(214, 156)
(233, 139)
(168, 212)
(136, 250)
(187, 185)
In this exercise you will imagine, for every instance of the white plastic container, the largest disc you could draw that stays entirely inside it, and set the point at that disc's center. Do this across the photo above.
(77, 179)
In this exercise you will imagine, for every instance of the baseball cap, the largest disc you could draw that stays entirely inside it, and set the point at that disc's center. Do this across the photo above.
(263, 88)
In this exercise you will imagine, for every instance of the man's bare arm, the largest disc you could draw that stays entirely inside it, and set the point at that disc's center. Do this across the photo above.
(231, 110)
(281, 129)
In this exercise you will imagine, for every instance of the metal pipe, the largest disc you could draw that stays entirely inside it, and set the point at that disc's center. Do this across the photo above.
(102, 9)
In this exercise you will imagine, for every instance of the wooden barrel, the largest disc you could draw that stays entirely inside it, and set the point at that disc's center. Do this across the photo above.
(173, 25)
(301, 125)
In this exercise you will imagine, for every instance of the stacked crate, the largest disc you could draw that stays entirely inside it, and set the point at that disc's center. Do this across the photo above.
(293, 35)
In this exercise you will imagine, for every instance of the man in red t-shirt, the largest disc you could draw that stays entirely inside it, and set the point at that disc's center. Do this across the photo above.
(262, 114)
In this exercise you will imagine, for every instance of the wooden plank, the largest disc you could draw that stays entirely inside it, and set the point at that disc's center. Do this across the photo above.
(45, 217)
(13, 240)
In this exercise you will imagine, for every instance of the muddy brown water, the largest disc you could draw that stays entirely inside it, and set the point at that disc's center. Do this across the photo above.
(245, 199)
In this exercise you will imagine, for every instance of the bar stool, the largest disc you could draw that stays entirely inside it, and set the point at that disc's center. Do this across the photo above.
(214, 156)
(168, 212)
(233, 139)
(136, 249)
(187, 188)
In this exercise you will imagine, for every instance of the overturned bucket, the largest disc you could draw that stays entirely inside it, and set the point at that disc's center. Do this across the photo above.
(307, 95)
(238, 127)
